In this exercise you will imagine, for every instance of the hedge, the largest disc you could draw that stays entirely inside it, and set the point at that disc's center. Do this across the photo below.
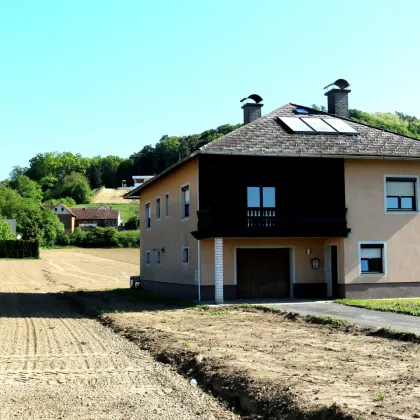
(100, 237)
(19, 249)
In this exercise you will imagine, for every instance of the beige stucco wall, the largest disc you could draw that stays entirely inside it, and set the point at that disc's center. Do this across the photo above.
(303, 271)
(170, 232)
(364, 181)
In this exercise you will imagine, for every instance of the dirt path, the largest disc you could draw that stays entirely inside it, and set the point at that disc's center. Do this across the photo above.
(54, 363)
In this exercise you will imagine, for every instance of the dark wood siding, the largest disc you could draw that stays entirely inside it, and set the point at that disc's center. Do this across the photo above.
(263, 273)
(309, 194)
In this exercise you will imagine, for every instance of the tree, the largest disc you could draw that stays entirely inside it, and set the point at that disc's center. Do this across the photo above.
(51, 227)
(27, 188)
(75, 186)
(6, 232)
(80, 192)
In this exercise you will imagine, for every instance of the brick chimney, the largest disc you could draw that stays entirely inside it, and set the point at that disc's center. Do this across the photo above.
(338, 99)
(252, 110)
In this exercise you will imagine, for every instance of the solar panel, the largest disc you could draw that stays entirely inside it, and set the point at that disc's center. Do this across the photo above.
(340, 126)
(296, 124)
(319, 126)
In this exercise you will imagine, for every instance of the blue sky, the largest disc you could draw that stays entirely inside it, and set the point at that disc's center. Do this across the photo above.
(108, 77)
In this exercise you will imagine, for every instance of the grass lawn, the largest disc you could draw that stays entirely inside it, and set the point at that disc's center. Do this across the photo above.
(127, 210)
(403, 306)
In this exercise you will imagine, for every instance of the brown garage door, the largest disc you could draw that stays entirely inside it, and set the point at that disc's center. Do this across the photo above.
(263, 273)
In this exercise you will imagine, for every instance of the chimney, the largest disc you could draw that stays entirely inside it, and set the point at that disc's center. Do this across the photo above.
(338, 99)
(252, 110)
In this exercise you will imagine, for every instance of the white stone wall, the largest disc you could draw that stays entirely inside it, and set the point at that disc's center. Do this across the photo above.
(218, 270)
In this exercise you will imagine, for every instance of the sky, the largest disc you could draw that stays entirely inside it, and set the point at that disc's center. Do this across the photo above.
(106, 77)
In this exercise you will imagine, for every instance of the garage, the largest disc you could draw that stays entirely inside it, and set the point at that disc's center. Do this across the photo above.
(263, 273)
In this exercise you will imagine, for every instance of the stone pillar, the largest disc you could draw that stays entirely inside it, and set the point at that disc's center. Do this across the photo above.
(218, 270)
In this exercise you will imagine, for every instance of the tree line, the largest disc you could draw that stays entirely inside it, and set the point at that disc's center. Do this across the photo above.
(397, 122)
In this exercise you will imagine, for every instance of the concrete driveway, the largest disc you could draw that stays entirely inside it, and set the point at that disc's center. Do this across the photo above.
(359, 316)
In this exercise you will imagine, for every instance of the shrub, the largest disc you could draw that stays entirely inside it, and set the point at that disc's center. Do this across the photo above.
(6, 232)
(129, 238)
(63, 238)
(78, 237)
(132, 223)
(102, 238)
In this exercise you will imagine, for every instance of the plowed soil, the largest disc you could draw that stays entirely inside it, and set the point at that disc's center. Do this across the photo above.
(366, 377)
(56, 363)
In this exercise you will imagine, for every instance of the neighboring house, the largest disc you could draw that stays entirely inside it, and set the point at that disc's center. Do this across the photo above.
(65, 214)
(141, 179)
(297, 203)
(12, 223)
(87, 217)
(102, 216)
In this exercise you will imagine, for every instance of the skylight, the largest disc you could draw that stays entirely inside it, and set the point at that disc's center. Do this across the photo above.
(302, 111)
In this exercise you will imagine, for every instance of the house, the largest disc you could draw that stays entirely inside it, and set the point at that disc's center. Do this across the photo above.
(141, 179)
(87, 217)
(296, 203)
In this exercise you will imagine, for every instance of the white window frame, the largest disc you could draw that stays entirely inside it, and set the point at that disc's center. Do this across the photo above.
(158, 207)
(417, 187)
(158, 252)
(182, 201)
(182, 255)
(148, 257)
(150, 214)
(167, 205)
(384, 258)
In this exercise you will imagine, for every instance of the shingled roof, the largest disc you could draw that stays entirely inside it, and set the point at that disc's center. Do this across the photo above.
(265, 136)
(89, 213)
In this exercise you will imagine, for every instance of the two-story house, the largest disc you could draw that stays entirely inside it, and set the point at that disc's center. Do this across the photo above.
(296, 203)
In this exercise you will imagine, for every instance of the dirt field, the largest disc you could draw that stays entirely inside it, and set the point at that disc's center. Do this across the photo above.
(110, 195)
(367, 377)
(55, 363)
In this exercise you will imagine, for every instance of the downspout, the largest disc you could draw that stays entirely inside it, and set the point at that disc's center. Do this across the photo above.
(198, 241)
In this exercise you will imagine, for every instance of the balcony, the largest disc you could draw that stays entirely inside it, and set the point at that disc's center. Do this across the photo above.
(271, 222)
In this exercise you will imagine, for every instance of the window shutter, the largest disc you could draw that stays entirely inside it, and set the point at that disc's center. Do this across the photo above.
(371, 252)
(400, 189)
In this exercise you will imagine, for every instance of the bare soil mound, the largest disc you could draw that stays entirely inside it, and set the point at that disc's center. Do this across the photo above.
(110, 195)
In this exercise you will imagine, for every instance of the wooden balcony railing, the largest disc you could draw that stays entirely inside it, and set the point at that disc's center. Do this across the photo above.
(272, 222)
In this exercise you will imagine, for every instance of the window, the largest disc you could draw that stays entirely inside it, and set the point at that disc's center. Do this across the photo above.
(372, 258)
(401, 194)
(147, 218)
(157, 257)
(147, 257)
(185, 255)
(185, 202)
(158, 208)
(166, 204)
(261, 197)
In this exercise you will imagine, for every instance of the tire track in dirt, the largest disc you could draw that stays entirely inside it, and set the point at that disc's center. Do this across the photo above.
(57, 363)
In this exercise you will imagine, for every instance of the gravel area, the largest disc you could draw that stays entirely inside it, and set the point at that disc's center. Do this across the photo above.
(57, 364)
